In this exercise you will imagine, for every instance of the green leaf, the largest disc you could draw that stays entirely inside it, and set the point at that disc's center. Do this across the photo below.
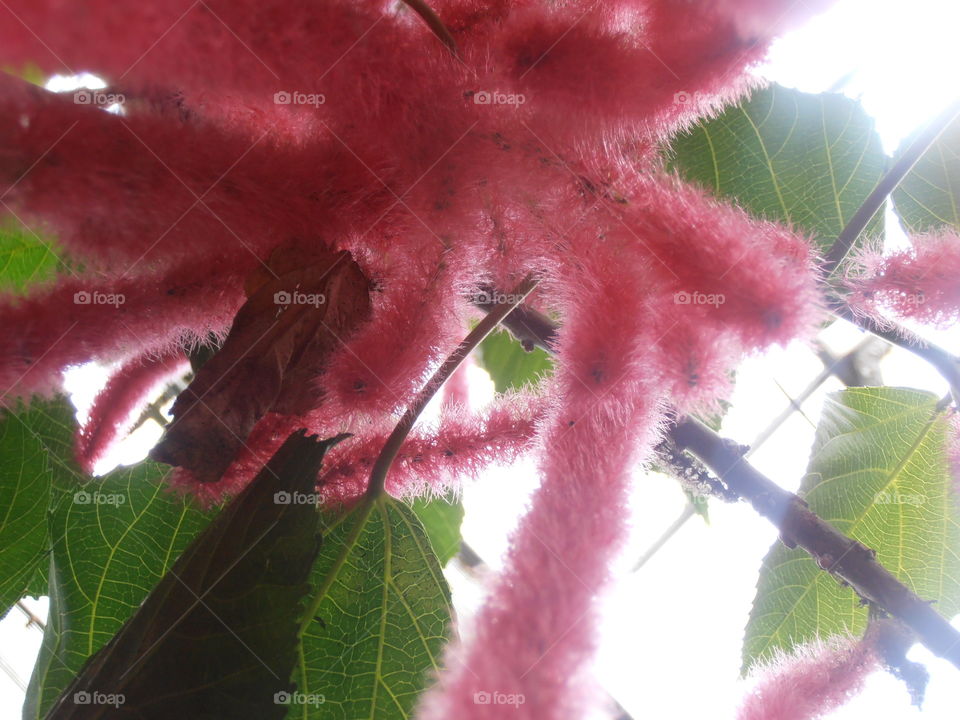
(441, 518)
(879, 473)
(381, 616)
(30, 72)
(218, 636)
(929, 196)
(25, 259)
(31, 442)
(509, 365)
(808, 160)
(113, 539)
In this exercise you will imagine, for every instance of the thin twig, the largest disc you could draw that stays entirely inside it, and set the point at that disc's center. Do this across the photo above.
(888, 183)
(688, 512)
(378, 474)
(830, 368)
(12, 674)
(944, 362)
(433, 22)
(154, 412)
(32, 619)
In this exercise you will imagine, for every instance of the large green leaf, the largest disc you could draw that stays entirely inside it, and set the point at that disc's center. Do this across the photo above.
(879, 473)
(509, 365)
(24, 258)
(112, 540)
(32, 441)
(808, 160)
(382, 615)
(441, 518)
(218, 637)
(929, 196)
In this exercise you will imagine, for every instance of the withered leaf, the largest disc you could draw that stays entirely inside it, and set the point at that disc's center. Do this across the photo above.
(281, 339)
(218, 636)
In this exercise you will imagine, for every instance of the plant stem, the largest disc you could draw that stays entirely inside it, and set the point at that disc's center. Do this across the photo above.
(947, 364)
(433, 22)
(888, 183)
(499, 311)
(849, 560)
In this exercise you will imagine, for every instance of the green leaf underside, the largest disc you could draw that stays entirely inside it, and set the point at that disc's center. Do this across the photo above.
(25, 259)
(106, 559)
(384, 610)
(929, 196)
(28, 471)
(509, 365)
(218, 635)
(441, 518)
(806, 160)
(879, 473)
(104, 556)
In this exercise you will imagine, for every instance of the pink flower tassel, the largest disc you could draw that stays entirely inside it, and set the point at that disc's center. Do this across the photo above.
(537, 630)
(920, 283)
(814, 680)
(117, 404)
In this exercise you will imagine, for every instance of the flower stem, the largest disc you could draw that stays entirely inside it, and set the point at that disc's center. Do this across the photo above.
(378, 475)
(433, 22)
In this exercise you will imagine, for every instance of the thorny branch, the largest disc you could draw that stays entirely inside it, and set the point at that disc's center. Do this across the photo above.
(844, 557)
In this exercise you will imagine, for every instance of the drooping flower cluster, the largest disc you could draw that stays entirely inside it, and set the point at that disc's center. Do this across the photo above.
(257, 130)
(811, 682)
(919, 283)
(114, 411)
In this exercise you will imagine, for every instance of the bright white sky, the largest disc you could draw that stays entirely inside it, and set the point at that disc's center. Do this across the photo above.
(672, 631)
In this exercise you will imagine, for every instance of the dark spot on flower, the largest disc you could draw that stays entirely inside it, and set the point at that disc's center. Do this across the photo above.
(599, 374)
(772, 319)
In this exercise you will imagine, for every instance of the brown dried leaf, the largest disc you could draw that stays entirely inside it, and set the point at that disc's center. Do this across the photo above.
(281, 339)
